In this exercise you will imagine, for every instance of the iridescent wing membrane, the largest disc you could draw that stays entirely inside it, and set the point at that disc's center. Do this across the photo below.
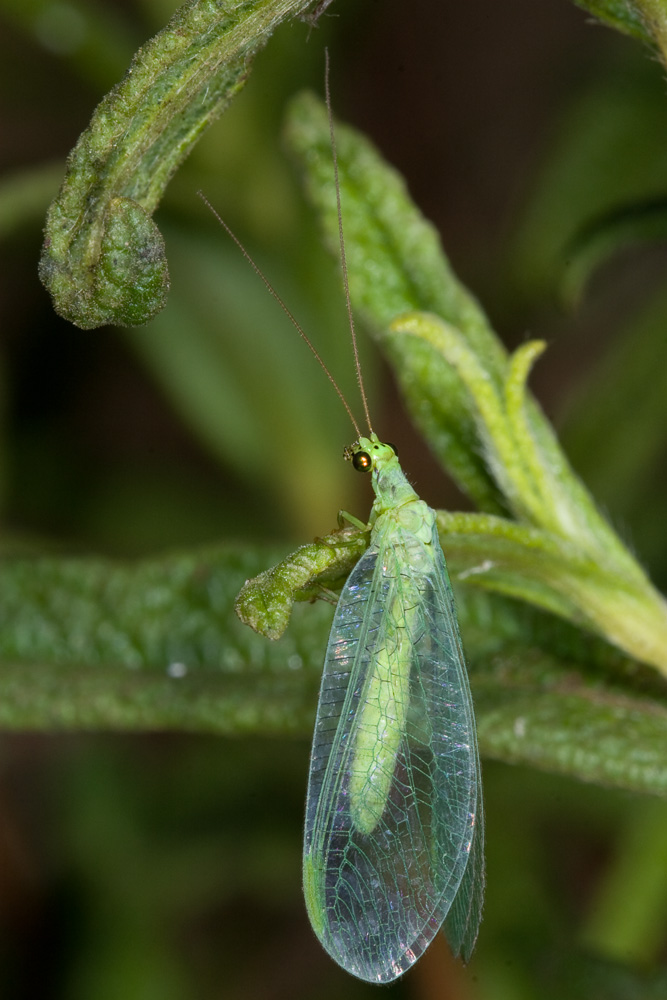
(394, 794)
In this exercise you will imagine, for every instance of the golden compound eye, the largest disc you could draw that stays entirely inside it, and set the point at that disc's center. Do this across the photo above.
(361, 460)
(393, 447)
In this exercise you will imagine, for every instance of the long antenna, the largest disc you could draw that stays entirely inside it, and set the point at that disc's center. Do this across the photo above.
(341, 240)
(287, 312)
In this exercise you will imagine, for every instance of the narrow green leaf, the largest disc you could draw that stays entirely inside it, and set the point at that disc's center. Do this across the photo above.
(548, 570)
(103, 258)
(396, 264)
(470, 400)
(156, 645)
(520, 447)
(594, 579)
(92, 644)
(532, 711)
(643, 19)
(395, 260)
(624, 15)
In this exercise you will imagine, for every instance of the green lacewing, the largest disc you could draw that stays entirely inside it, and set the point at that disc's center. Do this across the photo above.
(394, 829)
(393, 845)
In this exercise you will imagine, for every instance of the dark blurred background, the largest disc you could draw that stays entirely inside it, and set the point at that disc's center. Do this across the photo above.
(169, 866)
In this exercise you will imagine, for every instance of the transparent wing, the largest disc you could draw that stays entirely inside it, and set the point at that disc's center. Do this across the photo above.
(376, 898)
(462, 922)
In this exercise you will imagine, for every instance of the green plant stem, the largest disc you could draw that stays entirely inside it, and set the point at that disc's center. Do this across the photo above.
(103, 259)
(470, 401)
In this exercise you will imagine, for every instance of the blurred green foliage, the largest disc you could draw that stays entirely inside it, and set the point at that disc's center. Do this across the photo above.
(168, 866)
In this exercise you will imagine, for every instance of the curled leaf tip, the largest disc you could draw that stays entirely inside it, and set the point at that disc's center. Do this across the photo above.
(103, 259)
(125, 283)
(265, 603)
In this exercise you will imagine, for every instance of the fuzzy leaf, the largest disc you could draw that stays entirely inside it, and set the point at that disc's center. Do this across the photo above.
(103, 259)
(396, 264)
(87, 643)
(265, 603)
